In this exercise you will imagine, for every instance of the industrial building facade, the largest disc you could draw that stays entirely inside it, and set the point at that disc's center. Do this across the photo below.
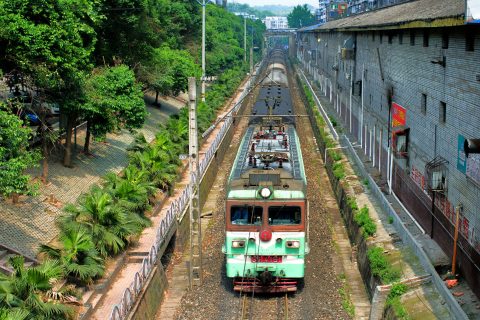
(405, 82)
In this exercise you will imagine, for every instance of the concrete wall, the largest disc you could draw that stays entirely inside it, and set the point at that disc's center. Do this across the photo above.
(147, 306)
(391, 62)
(397, 67)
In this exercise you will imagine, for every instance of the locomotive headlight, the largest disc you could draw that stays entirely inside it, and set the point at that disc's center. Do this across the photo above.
(238, 243)
(293, 244)
(265, 192)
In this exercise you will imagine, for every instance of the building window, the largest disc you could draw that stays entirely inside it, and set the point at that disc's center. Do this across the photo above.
(424, 103)
(412, 38)
(445, 40)
(381, 37)
(469, 42)
(373, 36)
(443, 112)
(425, 38)
(400, 38)
(390, 38)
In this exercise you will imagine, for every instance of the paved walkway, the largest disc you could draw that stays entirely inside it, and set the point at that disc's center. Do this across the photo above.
(32, 222)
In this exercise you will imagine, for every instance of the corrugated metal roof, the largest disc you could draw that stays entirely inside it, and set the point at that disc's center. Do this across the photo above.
(422, 11)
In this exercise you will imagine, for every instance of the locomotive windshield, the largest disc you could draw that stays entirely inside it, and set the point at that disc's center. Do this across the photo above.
(246, 215)
(284, 215)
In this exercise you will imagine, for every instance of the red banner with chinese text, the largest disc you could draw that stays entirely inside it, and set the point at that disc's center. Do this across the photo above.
(399, 115)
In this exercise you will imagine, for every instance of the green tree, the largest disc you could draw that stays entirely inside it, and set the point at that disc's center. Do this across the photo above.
(77, 255)
(25, 292)
(108, 223)
(113, 100)
(168, 71)
(15, 156)
(300, 17)
(51, 42)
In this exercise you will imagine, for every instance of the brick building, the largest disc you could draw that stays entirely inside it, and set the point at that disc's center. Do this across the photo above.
(405, 80)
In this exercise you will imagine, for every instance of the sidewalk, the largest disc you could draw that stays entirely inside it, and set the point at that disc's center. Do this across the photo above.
(32, 221)
(468, 301)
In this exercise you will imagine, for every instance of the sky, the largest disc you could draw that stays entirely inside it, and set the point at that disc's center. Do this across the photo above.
(278, 2)
(474, 6)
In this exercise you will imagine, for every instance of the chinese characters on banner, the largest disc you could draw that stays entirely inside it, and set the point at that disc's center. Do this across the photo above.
(399, 115)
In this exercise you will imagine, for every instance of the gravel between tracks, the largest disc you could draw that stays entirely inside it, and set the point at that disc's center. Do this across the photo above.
(319, 299)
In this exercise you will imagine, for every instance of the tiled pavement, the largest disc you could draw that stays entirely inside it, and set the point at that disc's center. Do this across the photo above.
(32, 222)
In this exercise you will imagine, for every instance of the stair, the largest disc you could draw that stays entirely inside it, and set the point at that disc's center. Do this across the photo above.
(6, 253)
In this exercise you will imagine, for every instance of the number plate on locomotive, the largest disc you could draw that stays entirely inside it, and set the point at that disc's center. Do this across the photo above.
(267, 259)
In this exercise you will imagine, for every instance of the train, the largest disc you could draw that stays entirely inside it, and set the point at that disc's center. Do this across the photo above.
(266, 208)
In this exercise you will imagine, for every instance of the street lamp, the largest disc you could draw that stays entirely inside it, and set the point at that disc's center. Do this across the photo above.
(203, 4)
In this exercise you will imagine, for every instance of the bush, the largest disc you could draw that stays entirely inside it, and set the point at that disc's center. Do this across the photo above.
(381, 267)
(338, 170)
(352, 203)
(365, 222)
(393, 300)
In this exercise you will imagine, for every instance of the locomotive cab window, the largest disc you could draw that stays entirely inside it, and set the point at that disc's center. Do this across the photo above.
(284, 215)
(246, 215)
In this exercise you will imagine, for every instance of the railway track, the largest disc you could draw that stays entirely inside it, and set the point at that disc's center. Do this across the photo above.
(248, 307)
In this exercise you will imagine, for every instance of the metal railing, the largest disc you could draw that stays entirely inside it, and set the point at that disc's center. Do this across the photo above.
(176, 210)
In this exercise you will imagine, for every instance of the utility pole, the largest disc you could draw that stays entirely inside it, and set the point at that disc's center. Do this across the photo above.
(204, 5)
(244, 39)
(251, 61)
(195, 267)
(203, 50)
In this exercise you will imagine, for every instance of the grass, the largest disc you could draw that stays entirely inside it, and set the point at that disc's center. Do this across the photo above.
(347, 303)
(390, 219)
(365, 182)
(338, 170)
(369, 228)
(394, 300)
(381, 267)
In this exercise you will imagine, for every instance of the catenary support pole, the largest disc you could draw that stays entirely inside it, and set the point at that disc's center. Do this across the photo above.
(195, 266)
(204, 5)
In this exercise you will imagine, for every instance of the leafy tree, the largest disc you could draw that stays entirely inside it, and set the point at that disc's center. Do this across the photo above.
(15, 156)
(77, 255)
(108, 223)
(25, 292)
(113, 100)
(168, 71)
(300, 17)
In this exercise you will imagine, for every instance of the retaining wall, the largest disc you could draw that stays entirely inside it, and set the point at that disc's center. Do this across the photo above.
(353, 229)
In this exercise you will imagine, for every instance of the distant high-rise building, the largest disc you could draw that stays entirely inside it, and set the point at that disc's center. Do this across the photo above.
(276, 22)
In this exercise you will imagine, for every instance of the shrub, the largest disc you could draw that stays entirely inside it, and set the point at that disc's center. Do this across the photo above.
(352, 203)
(365, 222)
(381, 267)
(393, 300)
(338, 170)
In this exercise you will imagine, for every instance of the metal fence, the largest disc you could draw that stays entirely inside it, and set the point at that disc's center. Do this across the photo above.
(176, 210)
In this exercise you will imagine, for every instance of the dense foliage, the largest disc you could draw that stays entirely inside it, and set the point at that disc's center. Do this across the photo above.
(113, 100)
(97, 69)
(300, 17)
(15, 156)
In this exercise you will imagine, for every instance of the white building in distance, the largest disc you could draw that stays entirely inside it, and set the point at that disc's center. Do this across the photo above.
(276, 22)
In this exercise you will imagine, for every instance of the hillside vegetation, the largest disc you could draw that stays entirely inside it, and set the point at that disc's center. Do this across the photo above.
(96, 58)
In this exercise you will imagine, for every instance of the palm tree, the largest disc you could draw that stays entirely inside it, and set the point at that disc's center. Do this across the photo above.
(132, 190)
(23, 293)
(77, 254)
(108, 223)
(161, 172)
